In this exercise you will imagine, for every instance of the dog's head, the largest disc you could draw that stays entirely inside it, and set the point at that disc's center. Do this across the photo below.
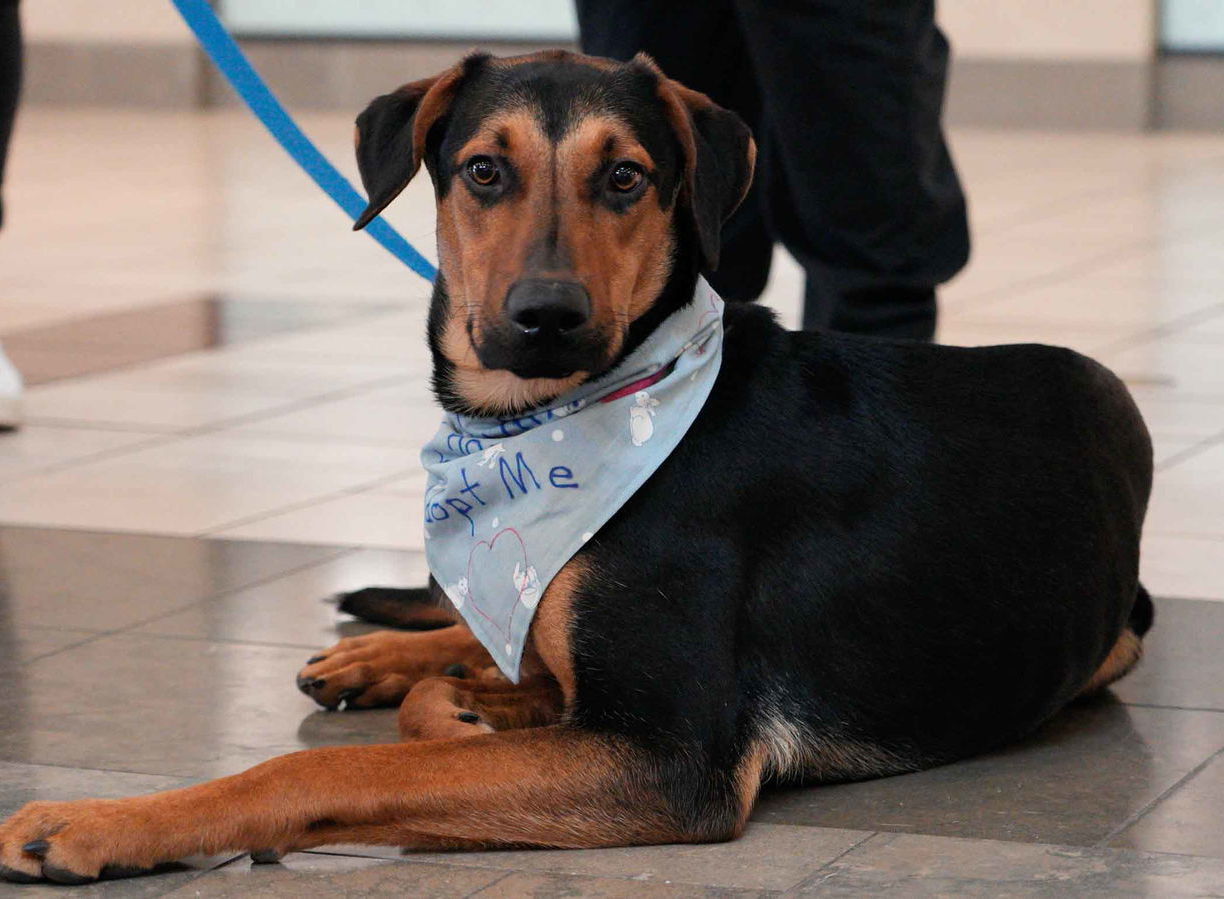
(569, 191)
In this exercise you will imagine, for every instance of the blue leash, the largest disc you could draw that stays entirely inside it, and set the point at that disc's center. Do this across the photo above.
(237, 69)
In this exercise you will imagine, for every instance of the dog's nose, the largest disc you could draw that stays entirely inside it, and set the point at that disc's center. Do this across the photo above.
(543, 308)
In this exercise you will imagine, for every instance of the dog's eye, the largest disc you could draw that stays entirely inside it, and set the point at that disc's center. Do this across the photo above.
(625, 177)
(483, 171)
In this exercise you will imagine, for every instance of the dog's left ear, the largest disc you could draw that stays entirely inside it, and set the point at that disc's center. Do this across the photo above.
(719, 156)
(391, 135)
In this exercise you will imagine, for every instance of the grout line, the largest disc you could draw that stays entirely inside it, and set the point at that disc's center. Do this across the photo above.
(212, 597)
(211, 868)
(100, 456)
(378, 310)
(823, 872)
(1189, 395)
(1124, 187)
(1134, 818)
(170, 437)
(491, 884)
(105, 427)
(1214, 536)
(54, 421)
(300, 404)
(1173, 708)
(179, 777)
(228, 641)
(1122, 251)
(1170, 328)
(128, 628)
(323, 850)
(364, 487)
(1191, 451)
(83, 641)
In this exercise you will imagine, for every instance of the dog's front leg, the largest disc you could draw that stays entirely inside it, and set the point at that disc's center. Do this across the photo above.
(554, 786)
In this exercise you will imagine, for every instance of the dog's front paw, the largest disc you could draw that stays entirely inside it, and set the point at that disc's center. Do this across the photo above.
(76, 842)
(364, 672)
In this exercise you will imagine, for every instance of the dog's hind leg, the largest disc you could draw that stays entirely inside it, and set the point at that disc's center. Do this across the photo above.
(554, 786)
(379, 669)
(1128, 650)
(445, 707)
(1124, 656)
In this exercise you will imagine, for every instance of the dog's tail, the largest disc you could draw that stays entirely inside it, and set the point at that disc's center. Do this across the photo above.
(413, 608)
(1143, 613)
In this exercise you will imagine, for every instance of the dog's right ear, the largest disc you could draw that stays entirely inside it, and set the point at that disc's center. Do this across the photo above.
(391, 135)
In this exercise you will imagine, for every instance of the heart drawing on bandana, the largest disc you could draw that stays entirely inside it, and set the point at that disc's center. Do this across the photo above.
(491, 571)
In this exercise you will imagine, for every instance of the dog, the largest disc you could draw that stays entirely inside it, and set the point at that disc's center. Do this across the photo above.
(863, 558)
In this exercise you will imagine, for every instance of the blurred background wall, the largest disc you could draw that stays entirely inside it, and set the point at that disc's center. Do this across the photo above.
(1098, 64)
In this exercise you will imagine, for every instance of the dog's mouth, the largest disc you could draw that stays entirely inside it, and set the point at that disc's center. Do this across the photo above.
(535, 356)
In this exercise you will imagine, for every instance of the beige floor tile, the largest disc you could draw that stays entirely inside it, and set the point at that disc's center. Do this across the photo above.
(35, 448)
(1180, 566)
(403, 415)
(386, 520)
(1089, 302)
(1188, 496)
(396, 341)
(194, 390)
(766, 857)
(1185, 263)
(1188, 366)
(1167, 450)
(1210, 328)
(196, 484)
(1170, 412)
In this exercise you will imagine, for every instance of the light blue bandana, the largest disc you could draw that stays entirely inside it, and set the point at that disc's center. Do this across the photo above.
(510, 501)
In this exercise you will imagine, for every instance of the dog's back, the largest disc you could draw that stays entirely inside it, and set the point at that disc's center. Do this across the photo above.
(938, 546)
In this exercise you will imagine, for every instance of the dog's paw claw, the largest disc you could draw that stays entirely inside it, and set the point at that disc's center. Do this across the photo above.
(309, 684)
(65, 877)
(118, 872)
(266, 856)
(12, 875)
(37, 847)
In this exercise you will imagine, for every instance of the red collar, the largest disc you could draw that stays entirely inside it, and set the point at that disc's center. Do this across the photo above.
(640, 384)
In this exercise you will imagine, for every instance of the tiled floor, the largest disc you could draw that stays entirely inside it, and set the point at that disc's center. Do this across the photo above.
(176, 508)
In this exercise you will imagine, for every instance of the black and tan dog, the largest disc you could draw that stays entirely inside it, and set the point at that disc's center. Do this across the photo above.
(864, 558)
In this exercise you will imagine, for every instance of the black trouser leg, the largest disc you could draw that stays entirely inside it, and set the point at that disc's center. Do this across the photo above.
(861, 186)
(698, 44)
(10, 81)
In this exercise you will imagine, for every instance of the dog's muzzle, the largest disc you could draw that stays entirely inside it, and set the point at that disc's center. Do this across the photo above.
(546, 331)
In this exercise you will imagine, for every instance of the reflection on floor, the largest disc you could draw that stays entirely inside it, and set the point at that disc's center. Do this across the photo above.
(176, 508)
(96, 343)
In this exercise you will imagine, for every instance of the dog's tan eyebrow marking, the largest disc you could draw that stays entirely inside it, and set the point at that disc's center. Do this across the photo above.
(507, 131)
(608, 137)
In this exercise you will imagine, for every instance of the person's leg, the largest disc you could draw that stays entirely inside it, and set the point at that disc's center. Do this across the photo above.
(10, 81)
(862, 189)
(10, 88)
(698, 44)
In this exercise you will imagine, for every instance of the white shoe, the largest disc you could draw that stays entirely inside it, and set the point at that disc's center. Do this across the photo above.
(10, 394)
